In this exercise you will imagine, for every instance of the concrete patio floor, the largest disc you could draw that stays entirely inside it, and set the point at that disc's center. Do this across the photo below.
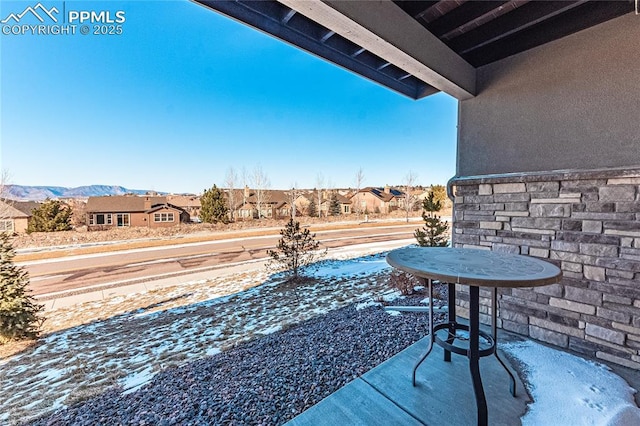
(443, 395)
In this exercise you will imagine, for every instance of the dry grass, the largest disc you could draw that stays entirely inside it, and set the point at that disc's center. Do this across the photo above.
(134, 238)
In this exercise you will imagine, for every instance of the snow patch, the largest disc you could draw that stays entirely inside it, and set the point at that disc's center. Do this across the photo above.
(361, 266)
(391, 296)
(366, 304)
(134, 381)
(270, 330)
(212, 351)
(568, 390)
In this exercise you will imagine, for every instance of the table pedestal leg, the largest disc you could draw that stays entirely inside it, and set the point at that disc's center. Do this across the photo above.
(474, 353)
(451, 317)
(431, 336)
(494, 331)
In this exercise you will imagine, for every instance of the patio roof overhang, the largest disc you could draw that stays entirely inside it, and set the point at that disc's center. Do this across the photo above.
(418, 47)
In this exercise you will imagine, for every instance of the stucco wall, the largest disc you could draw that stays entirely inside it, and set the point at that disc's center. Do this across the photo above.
(571, 104)
(20, 224)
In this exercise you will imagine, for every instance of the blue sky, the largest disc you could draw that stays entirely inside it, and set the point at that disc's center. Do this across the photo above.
(185, 93)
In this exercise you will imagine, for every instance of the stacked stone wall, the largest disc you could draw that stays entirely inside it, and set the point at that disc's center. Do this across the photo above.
(588, 224)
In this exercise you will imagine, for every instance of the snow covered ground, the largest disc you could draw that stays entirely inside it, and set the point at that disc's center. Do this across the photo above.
(124, 341)
(568, 390)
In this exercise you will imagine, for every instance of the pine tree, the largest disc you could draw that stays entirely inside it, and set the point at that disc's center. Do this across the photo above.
(312, 209)
(51, 216)
(334, 205)
(214, 206)
(433, 234)
(295, 249)
(18, 311)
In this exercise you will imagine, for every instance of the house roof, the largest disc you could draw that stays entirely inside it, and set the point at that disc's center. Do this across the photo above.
(343, 199)
(26, 207)
(420, 47)
(157, 207)
(185, 201)
(273, 197)
(313, 194)
(382, 194)
(10, 209)
(122, 203)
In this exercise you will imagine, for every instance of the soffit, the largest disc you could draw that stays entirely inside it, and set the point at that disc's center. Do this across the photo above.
(415, 47)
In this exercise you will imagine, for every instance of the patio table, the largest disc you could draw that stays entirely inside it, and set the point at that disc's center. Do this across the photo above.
(475, 268)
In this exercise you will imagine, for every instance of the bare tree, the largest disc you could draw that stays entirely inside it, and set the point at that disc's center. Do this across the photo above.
(231, 181)
(292, 196)
(6, 224)
(78, 212)
(359, 182)
(408, 198)
(319, 188)
(6, 203)
(261, 184)
(245, 184)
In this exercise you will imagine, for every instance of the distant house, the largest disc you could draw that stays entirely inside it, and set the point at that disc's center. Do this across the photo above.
(131, 210)
(302, 202)
(345, 204)
(378, 200)
(304, 199)
(15, 215)
(274, 204)
(190, 203)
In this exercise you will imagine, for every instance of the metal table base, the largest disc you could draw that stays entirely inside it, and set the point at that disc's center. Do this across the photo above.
(474, 351)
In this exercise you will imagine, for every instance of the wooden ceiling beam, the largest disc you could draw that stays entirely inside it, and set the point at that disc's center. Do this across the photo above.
(508, 24)
(462, 15)
(583, 15)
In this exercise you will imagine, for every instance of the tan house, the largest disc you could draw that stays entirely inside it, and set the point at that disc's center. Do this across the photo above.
(249, 204)
(303, 200)
(130, 210)
(190, 203)
(345, 204)
(15, 215)
(378, 200)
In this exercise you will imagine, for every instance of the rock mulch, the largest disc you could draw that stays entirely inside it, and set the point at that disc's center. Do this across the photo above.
(266, 381)
(125, 341)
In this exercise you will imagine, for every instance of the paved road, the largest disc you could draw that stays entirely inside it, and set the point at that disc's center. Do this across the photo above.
(78, 272)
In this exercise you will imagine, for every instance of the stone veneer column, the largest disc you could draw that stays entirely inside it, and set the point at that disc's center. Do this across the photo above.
(587, 223)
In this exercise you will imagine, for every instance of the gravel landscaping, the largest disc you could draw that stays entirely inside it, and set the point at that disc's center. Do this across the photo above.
(100, 351)
(267, 381)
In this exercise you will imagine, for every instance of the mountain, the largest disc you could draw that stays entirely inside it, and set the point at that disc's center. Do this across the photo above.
(38, 193)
